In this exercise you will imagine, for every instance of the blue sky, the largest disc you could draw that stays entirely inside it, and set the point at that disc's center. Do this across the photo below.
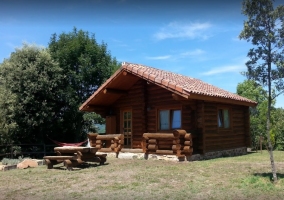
(196, 38)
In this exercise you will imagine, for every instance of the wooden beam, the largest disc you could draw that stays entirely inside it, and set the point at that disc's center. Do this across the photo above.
(179, 97)
(132, 150)
(221, 100)
(124, 73)
(97, 108)
(114, 91)
(169, 136)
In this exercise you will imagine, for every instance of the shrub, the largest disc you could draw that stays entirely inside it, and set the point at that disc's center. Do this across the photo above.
(9, 161)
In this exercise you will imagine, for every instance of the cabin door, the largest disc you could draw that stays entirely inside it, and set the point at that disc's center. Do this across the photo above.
(126, 125)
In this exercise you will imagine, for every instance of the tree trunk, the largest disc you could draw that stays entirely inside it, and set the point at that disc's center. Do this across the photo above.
(270, 149)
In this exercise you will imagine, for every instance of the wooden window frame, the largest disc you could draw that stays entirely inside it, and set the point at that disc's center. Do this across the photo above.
(223, 117)
(171, 109)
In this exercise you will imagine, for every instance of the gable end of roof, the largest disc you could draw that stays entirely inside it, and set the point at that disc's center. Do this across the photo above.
(182, 84)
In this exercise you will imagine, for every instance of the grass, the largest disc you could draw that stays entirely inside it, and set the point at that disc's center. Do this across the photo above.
(243, 177)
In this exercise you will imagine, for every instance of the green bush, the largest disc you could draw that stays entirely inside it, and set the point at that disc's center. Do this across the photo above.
(10, 161)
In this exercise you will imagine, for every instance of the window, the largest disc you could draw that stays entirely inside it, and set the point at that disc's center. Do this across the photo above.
(223, 118)
(169, 119)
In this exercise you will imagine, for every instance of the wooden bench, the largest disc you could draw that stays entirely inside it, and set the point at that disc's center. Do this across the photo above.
(73, 156)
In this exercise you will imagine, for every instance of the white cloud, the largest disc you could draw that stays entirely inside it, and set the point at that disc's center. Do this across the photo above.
(11, 45)
(119, 43)
(189, 31)
(225, 69)
(159, 57)
(196, 52)
(238, 66)
(193, 53)
(236, 39)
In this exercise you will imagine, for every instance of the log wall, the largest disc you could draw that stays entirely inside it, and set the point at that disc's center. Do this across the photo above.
(145, 100)
(198, 117)
(158, 98)
(199, 143)
(215, 138)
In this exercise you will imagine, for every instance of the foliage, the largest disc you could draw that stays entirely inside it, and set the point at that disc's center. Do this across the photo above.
(91, 119)
(253, 91)
(29, 80)
(250, 89)
(278, 128)
(7, 107)
(41, 89)
(11, 161)
(264, 28)
(85, 65)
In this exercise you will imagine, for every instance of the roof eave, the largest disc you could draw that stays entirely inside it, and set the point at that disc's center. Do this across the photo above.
(221, 100)
(84, 106)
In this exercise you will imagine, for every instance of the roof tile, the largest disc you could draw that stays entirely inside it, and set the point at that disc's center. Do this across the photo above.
(179, 88)
(135, 70)
(158, 80)
(165, 82)
(152, 77)
(141, 72)
(180, 83)
(129, 67)
(172, 85)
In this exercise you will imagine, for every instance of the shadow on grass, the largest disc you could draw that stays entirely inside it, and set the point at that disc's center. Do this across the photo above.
(269, 175)
(79, 167)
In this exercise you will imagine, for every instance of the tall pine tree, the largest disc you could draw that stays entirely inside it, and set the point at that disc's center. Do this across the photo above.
(264, 28)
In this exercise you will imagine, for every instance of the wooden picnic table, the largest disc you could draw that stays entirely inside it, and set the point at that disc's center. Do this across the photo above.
(72, 156)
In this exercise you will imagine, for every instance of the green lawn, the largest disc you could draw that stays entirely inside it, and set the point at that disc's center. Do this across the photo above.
(243, 177)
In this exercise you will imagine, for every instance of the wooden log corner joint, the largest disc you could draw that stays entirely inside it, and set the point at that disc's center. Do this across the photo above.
(178, 143)
(106, 143)
(74, 156)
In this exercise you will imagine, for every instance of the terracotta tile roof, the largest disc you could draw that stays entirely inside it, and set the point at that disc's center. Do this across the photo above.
(182, 84)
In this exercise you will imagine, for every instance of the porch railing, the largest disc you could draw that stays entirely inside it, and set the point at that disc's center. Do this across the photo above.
(178, 143)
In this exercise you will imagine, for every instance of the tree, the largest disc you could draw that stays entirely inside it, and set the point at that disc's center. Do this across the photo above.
(7, 124)
(253, 91)
(7, 108)
(278, 128)
(29, 82)
(86, 65)
(264, 28)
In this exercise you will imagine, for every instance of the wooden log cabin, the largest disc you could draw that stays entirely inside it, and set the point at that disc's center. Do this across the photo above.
(139, 99)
